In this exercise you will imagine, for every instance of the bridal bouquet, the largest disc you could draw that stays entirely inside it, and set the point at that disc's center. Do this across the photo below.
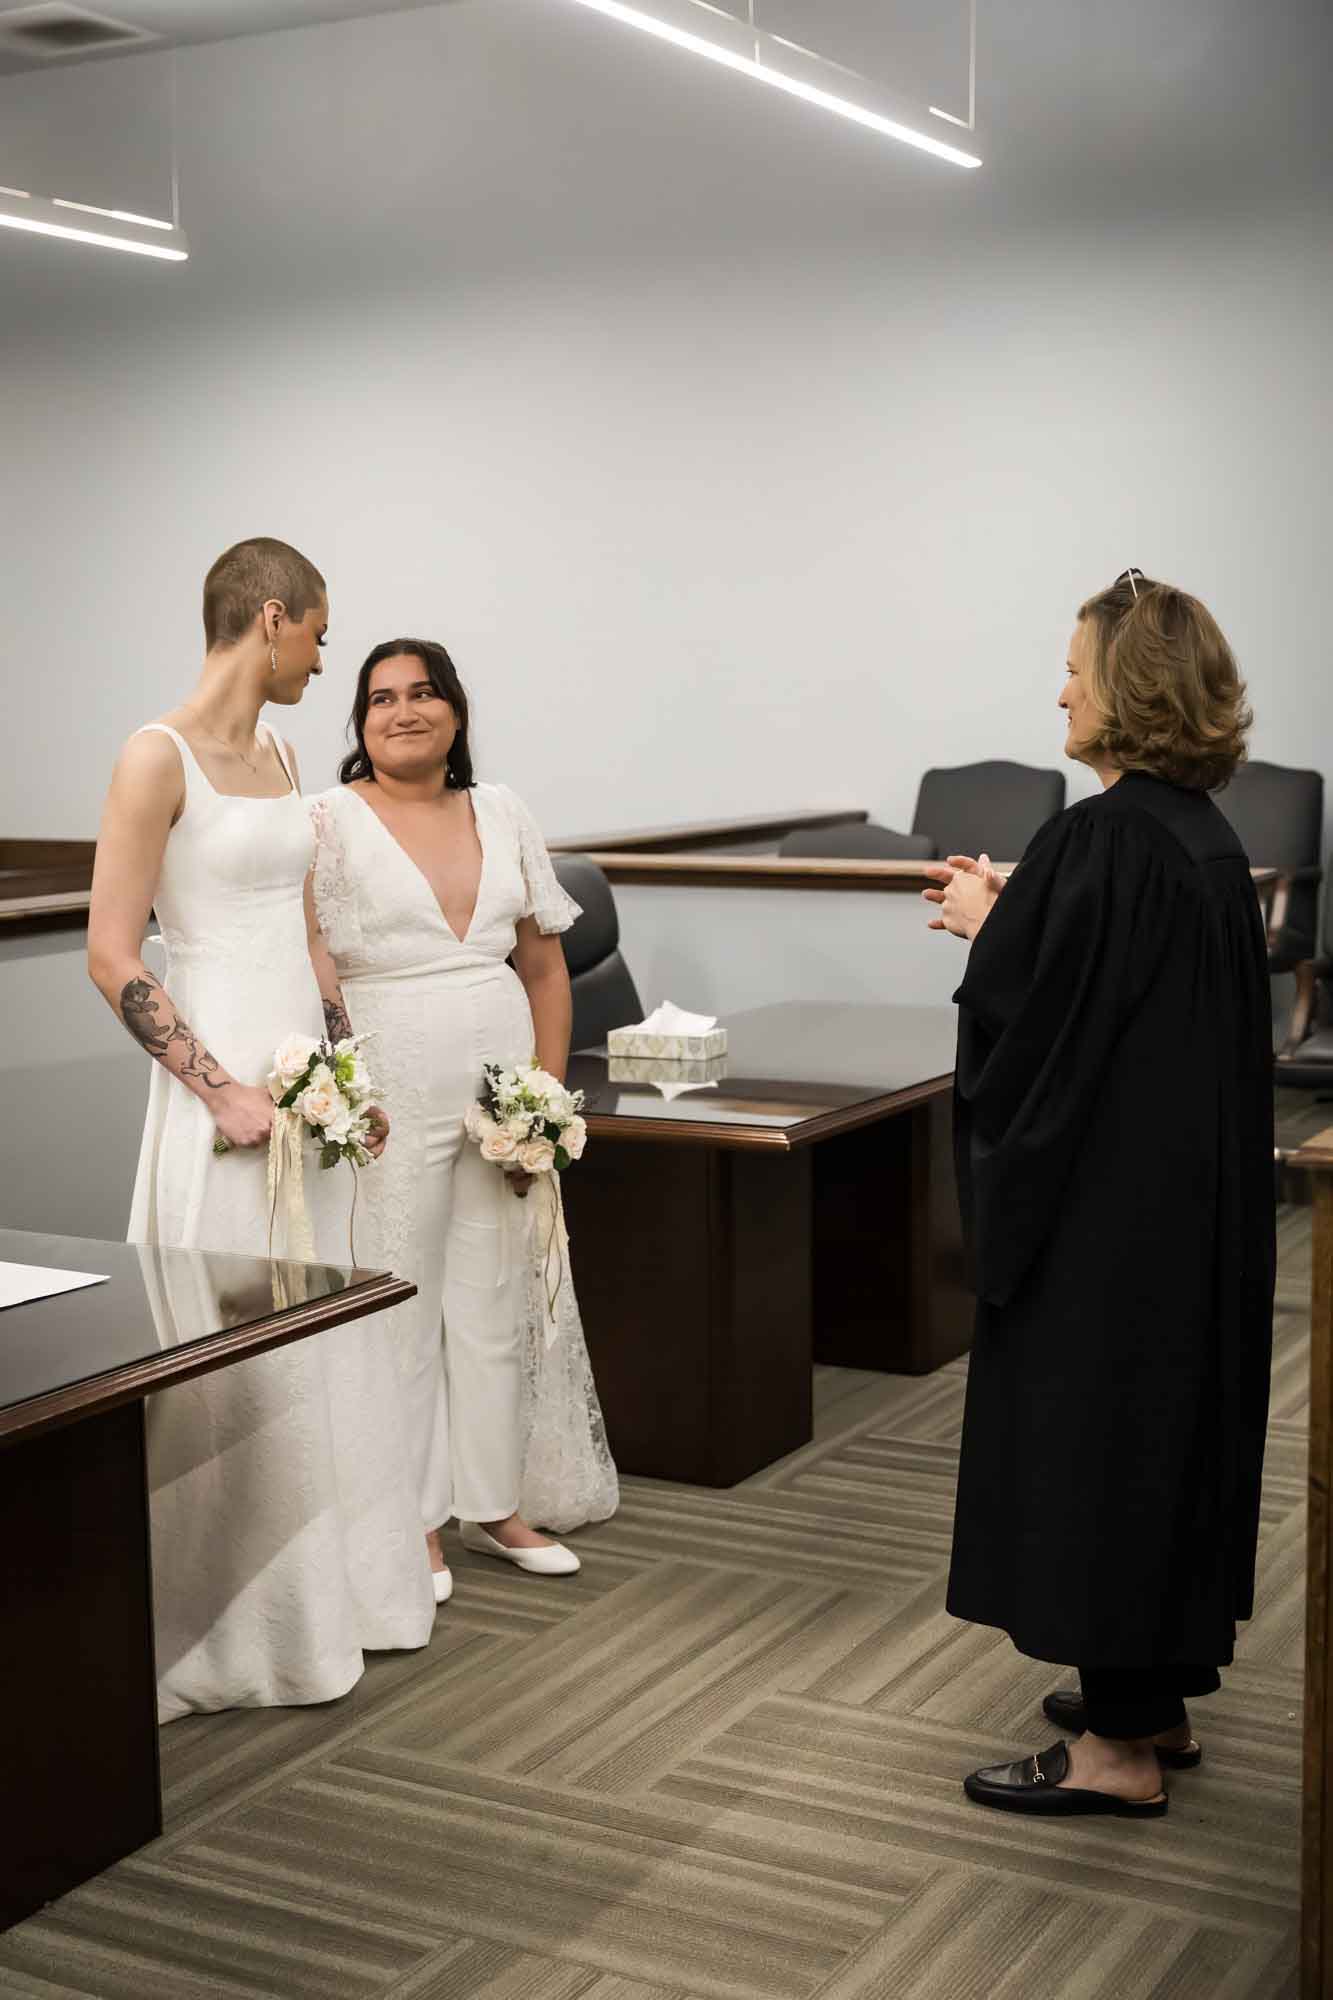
(323, 1089)
(527, 1122)
(329, 1088)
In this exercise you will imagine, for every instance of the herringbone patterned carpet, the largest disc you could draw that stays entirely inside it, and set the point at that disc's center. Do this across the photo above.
(723, 1763)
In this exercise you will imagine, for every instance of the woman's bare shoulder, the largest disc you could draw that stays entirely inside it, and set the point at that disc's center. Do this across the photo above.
(150, 752)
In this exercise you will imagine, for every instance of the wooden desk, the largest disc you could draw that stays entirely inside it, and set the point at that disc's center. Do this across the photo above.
(802, 1208)
(1316, 1158)
(78, 1697)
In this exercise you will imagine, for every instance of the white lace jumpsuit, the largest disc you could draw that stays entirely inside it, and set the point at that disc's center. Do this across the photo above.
(485, 1404)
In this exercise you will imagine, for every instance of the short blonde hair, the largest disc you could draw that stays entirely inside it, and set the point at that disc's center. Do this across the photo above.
(1165, 683)
(242, 581)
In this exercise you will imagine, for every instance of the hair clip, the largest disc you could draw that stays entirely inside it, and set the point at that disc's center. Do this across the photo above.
(1133, 586)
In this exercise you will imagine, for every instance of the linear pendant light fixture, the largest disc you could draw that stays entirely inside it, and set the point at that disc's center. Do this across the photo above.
(106, 228)
(77, 222)
(843, 107)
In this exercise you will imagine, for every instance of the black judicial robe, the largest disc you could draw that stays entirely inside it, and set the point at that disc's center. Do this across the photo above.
(1114, 1133)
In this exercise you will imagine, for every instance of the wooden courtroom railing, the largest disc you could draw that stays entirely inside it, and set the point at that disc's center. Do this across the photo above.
(1316, 1157)
(709, 834)
(761, 871)
(45, 884)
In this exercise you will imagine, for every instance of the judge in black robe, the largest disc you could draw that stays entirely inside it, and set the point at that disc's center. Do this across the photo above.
(1114, 1135)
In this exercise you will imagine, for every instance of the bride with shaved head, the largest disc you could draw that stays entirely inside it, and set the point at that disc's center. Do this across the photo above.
(285, 1534)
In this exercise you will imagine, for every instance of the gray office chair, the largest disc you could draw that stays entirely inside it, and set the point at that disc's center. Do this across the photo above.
(988, 808)
(1278, 814)
(605, 995)
(858, 840)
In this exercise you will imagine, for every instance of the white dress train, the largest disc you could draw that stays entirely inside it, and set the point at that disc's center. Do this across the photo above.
(285, 1530)
(499, 1421)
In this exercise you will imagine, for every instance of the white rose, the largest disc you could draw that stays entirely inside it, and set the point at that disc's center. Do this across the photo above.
(537, 1157)
(499, 1145)
(574, 1138)
(290, 1061)
(520, 1125)
(342, 1126)
(320, 1102)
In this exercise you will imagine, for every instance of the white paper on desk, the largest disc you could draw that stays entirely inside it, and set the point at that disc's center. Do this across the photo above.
(21, 1282)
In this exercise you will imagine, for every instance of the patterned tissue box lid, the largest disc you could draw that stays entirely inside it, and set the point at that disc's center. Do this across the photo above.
(668, 1048)
(660, 1069)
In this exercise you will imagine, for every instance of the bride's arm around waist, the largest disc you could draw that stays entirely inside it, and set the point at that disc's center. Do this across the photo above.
(146, 798)
(337, 1023)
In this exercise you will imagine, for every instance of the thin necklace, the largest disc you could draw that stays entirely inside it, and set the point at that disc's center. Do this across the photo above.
(230, 746)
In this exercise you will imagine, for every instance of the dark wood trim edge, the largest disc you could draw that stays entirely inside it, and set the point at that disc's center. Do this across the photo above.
(740, 1137)
(181, 1364)
(760, 871)
(1316, 1156)
(44, 854)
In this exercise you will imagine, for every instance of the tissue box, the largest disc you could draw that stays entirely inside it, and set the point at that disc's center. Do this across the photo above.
(667, 1048)
(658, 1069)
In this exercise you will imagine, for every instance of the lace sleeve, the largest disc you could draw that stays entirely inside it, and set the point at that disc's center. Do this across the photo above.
(335, 895)
(543, 898)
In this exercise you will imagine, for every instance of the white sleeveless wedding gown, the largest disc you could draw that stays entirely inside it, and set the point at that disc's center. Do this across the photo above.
(286, 1535)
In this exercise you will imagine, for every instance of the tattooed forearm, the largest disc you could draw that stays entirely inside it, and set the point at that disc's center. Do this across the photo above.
(336, 1024)
(139, 1003)
(138, 1010)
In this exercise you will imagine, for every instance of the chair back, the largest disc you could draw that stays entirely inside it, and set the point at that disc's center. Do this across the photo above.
(991, 808)
(1277, 812)
(605, 995)
(858, 840)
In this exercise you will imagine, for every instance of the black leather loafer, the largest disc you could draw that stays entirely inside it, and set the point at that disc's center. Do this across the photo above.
(1033, 1785)
(1065, 1709)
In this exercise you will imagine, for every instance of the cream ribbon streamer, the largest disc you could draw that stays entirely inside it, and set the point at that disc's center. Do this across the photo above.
(556, 1253)
(286, 1179)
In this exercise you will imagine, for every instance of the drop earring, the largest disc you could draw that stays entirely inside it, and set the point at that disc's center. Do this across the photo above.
(273, 658)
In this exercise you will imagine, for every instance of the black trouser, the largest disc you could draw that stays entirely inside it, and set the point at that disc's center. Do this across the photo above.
(1141, 1701)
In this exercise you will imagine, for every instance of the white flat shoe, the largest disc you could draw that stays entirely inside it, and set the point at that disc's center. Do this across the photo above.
(554, 1560)
(443, 1580)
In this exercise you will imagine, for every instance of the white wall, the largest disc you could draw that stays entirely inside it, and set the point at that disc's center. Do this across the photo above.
(740, 463)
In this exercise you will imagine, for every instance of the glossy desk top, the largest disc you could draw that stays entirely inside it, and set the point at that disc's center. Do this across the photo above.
(793, 1073)
(163, 1316)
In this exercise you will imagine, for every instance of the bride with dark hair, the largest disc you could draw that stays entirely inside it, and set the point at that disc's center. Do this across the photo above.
(442, 911)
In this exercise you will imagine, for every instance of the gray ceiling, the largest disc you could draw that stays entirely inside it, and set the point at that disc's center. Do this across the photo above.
(534, 133)
(185, 23)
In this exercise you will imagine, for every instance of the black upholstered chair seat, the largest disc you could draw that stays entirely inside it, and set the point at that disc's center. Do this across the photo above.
(604, 992)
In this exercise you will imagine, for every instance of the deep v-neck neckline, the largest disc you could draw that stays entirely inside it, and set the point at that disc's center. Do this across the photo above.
(420, 872)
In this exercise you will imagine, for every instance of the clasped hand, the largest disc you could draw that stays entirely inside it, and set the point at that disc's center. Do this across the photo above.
(243, 1114)
(967, 893)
